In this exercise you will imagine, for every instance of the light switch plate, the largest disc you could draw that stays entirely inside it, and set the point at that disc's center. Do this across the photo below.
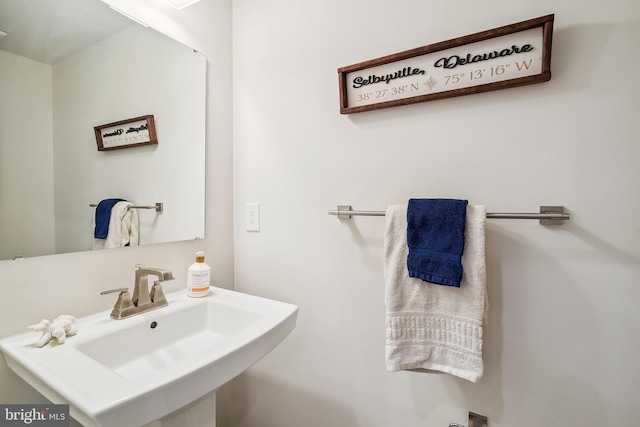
(253, 216)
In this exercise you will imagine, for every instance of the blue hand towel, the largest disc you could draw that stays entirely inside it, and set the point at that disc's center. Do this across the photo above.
(435, 236)
(103, 213)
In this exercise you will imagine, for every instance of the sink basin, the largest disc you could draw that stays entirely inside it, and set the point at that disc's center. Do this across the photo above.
(140, 369)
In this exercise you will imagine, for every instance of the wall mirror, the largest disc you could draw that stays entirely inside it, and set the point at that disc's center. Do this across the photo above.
(67, 66)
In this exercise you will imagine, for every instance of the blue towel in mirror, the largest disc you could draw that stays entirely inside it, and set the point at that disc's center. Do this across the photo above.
(435, 237)
(103, 213)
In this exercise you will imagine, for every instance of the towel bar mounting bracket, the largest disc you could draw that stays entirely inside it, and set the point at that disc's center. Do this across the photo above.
(553, 210)
(342, 209)
(343, 212)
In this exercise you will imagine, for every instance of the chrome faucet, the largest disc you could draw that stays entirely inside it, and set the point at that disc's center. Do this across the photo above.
(143, 299)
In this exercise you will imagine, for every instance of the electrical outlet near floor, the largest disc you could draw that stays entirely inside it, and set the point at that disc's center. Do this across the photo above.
(253, 216)
(477, 420)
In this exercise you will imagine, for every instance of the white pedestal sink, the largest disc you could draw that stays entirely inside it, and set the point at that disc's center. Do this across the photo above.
(130, 372)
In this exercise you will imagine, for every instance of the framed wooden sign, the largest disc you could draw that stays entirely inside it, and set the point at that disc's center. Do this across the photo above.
(509, 56)
(126, 133)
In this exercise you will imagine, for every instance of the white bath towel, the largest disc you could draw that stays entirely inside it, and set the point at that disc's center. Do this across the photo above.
(124, 226)
(432, 327)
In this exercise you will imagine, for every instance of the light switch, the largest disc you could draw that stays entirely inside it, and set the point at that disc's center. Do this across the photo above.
(253, 216)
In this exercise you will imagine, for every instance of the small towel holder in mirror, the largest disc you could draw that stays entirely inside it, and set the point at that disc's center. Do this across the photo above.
(158, 207)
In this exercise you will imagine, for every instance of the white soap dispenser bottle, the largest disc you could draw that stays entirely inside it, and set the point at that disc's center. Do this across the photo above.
(198, 277)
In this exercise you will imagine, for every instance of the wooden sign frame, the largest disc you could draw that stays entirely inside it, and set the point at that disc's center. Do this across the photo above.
(126, 133)
(509, 56)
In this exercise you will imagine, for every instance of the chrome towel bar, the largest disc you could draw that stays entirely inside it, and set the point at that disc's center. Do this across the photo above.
(548, 215)
(158, 207)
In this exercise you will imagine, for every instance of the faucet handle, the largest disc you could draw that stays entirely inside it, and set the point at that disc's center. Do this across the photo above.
(156, 293)
(111, 291)
(124, 301)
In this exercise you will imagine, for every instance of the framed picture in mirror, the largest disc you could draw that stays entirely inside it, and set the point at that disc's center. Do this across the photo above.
(126, 133)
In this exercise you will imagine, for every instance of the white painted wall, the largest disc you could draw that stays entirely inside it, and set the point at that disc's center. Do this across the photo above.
(26, 128)
(562, 344)
(44, 287)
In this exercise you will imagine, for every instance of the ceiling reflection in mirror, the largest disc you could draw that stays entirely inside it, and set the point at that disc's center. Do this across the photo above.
(67, 66)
